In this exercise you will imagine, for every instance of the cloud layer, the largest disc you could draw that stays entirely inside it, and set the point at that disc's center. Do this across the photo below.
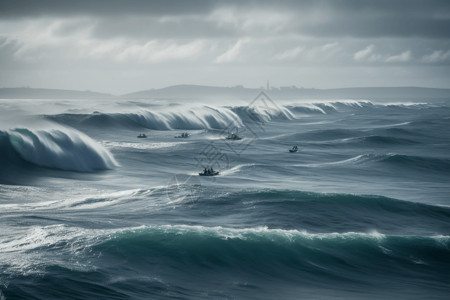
(157, 43)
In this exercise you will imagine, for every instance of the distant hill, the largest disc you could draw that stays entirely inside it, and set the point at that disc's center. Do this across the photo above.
(377, 93)
(194, 92)
(199, 92)
(31, 93)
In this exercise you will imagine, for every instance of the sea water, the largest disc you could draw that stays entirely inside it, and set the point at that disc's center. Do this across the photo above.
(90, 211)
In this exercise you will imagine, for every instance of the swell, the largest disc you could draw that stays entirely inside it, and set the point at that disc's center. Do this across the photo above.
(183, 260)
(191, 119)
(362, 202)
(58, 148)
(381, 140)
(194, 118)
(263, 114)
(416, 162)
(190, 203)
(276, 252)
(330, 107)
(327, 134)
(255, 248)
(204, 118)
(316, 212)
(383, 137)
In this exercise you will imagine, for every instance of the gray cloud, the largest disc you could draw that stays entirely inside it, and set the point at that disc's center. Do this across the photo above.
(155, 28)
(399, 18)
(24, 8)
(234, 42)
(381, 26)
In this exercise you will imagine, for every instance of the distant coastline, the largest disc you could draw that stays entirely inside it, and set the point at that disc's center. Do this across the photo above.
(198, 92)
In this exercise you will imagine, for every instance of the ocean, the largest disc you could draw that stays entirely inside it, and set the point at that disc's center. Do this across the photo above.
(90, 211)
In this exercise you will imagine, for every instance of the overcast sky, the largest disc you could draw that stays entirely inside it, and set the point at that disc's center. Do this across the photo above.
(124, 46)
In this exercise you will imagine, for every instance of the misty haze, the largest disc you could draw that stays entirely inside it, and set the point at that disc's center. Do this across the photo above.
(193, 149)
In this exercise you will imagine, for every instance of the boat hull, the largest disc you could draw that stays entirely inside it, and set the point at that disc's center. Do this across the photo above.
(209, 174)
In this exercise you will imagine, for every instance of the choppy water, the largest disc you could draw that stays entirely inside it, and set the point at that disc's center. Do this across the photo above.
(89, 211)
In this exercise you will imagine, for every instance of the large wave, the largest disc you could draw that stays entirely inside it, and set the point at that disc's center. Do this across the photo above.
(263, 113)
(204, 117)
(180, 117)
(210, 117)
(218, 246)
(186, 261)
(276, 252)
(59, 148)
(328, 107)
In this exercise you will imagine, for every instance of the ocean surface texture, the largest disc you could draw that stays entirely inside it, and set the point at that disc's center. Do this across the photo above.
(90, 211)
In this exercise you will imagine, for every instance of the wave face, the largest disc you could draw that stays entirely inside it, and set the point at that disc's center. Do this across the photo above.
(319, 212)
(194, 118)
(63, 149)
(261, 248)
(168, 261)
(263, 114)
(197, 118)
(330, 107)
(260, 256)
(220, 117)
(184, 118)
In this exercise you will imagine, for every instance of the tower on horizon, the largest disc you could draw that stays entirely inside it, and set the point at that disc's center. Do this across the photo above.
(267, 86)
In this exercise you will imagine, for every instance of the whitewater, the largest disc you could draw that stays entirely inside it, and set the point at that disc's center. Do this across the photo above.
(90, 211)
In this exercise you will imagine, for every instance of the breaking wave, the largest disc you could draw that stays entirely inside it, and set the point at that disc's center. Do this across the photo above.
(204, 117)
(328, 107)
(191, 119)
(60, 148)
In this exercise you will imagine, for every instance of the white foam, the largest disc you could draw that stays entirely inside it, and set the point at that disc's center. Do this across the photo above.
(341, 162)
(140, 146)
(60, 148)
(202, 117)
(236, 169)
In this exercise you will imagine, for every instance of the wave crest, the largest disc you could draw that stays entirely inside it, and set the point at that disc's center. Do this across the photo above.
(193, 118)
(63, 149)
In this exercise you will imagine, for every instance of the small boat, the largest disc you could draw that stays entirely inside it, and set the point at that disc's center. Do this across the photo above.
(209, 172)
(233, 136)
(142, 136)
(294, 149)
(182, 136)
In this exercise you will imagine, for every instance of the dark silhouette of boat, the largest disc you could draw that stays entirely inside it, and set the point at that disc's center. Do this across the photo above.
(142, 136)
(209, 172)
(294, 149)
(182, 136)
(233, 136)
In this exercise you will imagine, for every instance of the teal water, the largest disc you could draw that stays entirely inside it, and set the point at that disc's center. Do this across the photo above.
(89, 211)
